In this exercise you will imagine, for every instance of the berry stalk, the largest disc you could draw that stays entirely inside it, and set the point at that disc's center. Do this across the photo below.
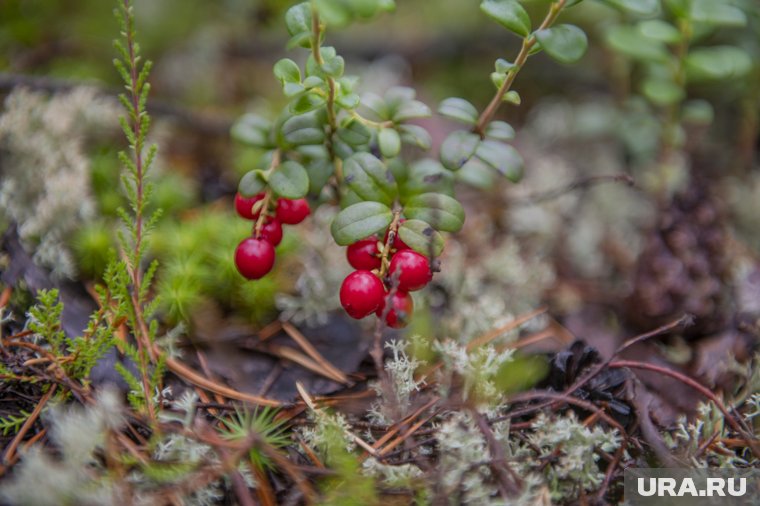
(392, 232)
(527, 44)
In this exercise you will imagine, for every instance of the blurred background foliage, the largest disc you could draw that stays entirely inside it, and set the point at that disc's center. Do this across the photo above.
(212, 63)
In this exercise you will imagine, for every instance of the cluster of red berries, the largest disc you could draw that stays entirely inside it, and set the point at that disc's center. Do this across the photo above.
(363, 292)
(254, 256)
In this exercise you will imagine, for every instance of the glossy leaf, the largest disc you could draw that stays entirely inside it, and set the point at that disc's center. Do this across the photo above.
(501, 157)
(354, 133)
(306, 103)
(662, 92)
(440, 211)
(415, 135)
(253, 130)
(458, 148)
(459, 109)
(500, 130)
(251, 183)
(509, 13)
(717, 13)
(638, 7)
(289, 180)
(303, 129)
(421, 237)
(287, 71)
(660, 31)
(426, 176)
(717, 63)
(369, 178)
(298, 22)
(359, 221)
(564, 43)
(389, 142)
(319, 171)
(630, 42)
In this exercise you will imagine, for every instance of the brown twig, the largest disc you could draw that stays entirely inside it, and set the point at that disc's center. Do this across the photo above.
(194, 378)
(507, 327)
(406, 435)
(632, 364)
(585, 182)
(11, 450)
(310, 350)
(509, 482)
(299, 358)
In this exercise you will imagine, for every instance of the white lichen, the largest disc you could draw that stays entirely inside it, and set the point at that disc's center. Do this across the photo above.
(400, 368)
(76, 477)
(564, 451)
(45, 187)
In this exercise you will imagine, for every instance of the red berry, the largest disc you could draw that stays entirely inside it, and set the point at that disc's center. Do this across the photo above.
(361, 294)
(254, 258)
(398, 244)
(244, 205)
(363, 254)
(271, 231)
(400, 314)
(292, 212)
(414, 270)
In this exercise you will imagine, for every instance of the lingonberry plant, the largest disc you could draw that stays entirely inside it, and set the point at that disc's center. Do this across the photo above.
(673, 50)
(330, 145)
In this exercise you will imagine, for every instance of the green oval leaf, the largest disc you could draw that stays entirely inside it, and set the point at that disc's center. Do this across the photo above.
(564, 43)
(298, 20)
(303, 129)
(287, 71)
(662, 92)
(458, 148)
(369, 178)
(334, 66)
(440, 211)
(305, 103)
(252, 183)
(253, 130)
(639, 7)
(421, 237)
(509, 13)
(501, 157)
(477, 173)
(500, 130)
(359, 221)
(630, 42)
(416, 135)
(319, 171)
(354, 133)
(717, 13)
(410, 109)
(459, 109)
(427, 176)
(717, 63)
(389, 142)
(659, 30)
(289, 180)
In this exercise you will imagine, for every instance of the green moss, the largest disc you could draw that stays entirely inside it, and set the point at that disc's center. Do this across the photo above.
(93, 246)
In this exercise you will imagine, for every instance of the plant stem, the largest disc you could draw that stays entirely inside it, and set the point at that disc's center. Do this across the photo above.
(670, 128)
(142, 335)
(261, 220)
(392, 231)
(316, 29)
(137, 147)
(527, 44)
